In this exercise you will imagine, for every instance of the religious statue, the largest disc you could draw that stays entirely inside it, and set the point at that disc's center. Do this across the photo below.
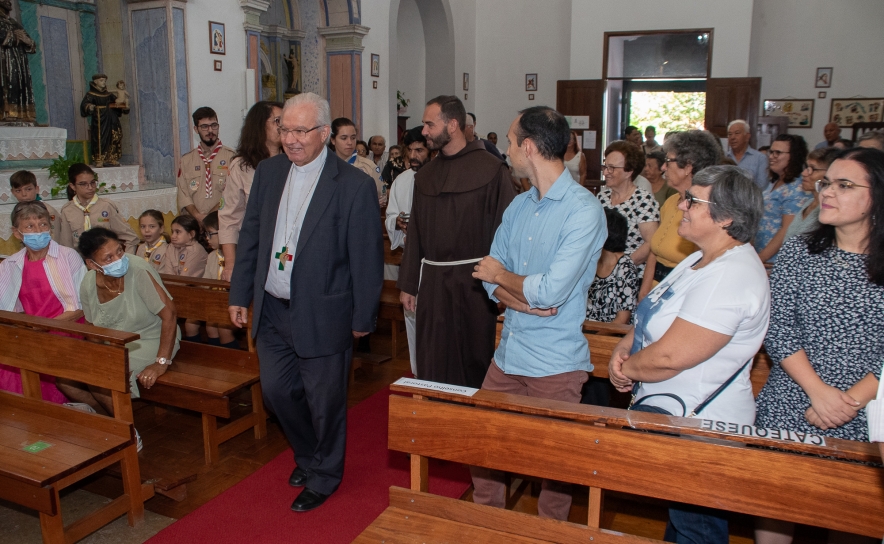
(16, 93)
(106, 132)
(293, 63)
(121, 94)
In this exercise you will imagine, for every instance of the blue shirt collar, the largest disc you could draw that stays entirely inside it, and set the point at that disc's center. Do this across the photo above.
(558, 189)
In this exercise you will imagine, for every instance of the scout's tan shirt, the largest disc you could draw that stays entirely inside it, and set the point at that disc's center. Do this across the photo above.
(233, 206)
(189, 260)
(214, 266)
(192, 180)
(156, 257)
(54, 220)
(102, 214)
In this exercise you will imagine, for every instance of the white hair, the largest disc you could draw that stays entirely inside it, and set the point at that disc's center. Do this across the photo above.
(739, 122)
(323, 111)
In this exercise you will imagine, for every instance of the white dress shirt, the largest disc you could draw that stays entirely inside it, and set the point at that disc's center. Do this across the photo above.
(299, 189)
(401, 195)
(875, 414)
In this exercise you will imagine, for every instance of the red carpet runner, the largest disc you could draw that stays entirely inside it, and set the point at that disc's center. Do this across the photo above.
(257, 509)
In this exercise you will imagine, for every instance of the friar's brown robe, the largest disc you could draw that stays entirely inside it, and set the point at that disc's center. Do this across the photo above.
(458, 204)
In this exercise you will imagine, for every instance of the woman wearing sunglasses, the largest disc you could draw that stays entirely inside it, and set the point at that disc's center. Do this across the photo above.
(686, 153)
(697, 332)
(826, 338)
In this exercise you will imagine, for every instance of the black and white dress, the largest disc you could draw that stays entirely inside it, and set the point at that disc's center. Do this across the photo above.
(825, 305)
(614, 293)
(640, 207)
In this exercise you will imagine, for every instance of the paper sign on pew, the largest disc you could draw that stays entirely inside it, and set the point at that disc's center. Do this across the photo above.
(759, 432)
(436, 386)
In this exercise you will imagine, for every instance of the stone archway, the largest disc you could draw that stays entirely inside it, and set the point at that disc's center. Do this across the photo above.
(438, 30)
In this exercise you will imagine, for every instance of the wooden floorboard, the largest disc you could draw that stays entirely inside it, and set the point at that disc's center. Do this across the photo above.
(175, 436)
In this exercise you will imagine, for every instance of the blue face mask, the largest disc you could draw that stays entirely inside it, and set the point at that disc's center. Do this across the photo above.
(117, 269)
(35, 241)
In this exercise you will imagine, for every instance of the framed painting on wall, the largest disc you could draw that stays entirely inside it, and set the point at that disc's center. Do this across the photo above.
(530, 82)
(823, 78)
(799, 111)
(847, 111)
(375, 65)
(217, 39)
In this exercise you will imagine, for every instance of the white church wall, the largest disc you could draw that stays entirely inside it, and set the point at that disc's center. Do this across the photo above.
(222, 91)
(731, 19)
(792, 38)
(412, 59)
(514, 38)
(376, 103)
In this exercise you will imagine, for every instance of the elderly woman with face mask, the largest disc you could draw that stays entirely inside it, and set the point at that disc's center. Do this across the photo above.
(126, 295)
(43, 280)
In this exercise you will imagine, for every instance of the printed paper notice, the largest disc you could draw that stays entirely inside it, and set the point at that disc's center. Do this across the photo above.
(759, 432)
(36, 447)
(436, 386)
(589, 139)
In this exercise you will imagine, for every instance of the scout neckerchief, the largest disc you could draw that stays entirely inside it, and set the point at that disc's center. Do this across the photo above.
(208, 163)
(149, 250)
(87, 222)
(283, 254)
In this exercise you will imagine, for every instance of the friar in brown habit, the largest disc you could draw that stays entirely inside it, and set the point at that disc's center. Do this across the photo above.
(459, 199)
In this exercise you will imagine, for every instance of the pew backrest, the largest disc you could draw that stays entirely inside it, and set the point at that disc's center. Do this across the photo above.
(680, 459)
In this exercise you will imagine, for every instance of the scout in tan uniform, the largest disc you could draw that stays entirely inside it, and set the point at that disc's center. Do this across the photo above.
(186, 257)
(203, 171)
(258, 140)
(87, 210)
(153, 248)
(24, 189)
(219, 334)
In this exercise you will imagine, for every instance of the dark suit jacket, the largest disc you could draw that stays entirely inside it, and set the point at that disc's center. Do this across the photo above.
(338, 268)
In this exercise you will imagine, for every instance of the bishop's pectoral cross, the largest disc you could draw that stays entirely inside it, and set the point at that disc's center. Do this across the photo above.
(283, 256)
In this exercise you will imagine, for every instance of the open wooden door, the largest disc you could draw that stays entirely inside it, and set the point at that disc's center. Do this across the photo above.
(732, 98)
(585, 97)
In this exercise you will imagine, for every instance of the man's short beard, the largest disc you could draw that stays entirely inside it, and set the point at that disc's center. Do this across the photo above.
(419, 164)
(438, 142)
(209, 143)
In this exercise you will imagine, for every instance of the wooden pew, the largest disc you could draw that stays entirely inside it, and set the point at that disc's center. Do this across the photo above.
(202, 378)
(668, 458)
(603, 338)
(74, 444)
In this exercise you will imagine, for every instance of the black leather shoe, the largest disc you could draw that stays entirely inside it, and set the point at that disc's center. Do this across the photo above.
(308, 500)
(298, 477)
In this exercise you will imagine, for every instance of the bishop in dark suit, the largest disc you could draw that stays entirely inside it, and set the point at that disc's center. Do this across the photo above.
(310, 257)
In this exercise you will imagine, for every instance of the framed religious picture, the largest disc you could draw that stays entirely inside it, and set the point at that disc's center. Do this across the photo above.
(466, 81)
(847, 111)
(217, 39)
(823, 78)
(217, 65)
(530, 82)
(799, 111)
(375, 65)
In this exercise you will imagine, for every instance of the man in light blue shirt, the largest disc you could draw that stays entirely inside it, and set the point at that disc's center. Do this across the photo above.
(754, 162)
(542, 262)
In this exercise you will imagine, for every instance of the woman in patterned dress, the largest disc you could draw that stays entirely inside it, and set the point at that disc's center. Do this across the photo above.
(826, 337)
(624, 162)
(784, 197)
(612, 294)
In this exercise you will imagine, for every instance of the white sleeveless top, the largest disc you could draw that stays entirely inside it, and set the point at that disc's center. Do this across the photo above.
(573, 166)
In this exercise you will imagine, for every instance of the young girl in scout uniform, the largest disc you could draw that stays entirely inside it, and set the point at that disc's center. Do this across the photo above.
(86, 210)
(153, 248)
(218, 335)
(186, 257)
